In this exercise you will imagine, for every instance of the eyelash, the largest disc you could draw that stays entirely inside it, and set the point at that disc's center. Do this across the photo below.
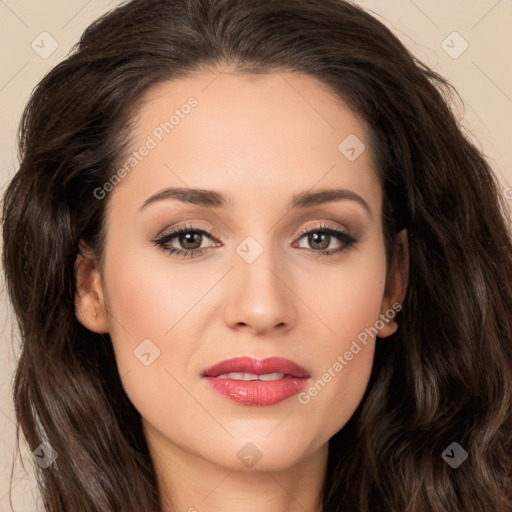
(344, 236)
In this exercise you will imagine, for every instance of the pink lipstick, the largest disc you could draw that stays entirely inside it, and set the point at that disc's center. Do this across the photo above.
(251, 381)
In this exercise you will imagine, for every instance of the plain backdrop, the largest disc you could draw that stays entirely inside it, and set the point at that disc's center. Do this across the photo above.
(467, 41)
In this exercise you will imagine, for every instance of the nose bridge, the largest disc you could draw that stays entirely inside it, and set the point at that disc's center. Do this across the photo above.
(258, 296)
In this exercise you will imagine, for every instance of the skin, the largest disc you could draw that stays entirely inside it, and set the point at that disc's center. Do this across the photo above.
(259, 139)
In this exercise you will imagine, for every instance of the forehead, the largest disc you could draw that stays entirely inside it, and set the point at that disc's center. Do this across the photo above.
(260, 133)
(267, 102)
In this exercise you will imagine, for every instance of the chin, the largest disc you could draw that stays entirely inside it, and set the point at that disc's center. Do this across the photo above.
(260, 453)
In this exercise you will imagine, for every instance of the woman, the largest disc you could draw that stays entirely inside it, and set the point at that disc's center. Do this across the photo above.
(257, 266)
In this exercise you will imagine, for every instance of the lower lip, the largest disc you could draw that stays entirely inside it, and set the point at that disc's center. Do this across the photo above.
(257, 392)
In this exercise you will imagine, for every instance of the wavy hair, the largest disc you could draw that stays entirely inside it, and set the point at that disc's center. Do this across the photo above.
(444, 376)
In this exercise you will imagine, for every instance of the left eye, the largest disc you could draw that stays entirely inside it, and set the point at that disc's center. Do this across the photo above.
(190, 239)
(321, 236)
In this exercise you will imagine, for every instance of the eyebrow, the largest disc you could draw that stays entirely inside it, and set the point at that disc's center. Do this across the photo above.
(214, 199)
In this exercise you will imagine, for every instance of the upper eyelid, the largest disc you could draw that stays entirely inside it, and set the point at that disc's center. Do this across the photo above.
(185, 228)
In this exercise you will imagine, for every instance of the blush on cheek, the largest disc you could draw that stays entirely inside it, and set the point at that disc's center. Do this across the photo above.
(143, 300)
(349, 315)
(349, 302)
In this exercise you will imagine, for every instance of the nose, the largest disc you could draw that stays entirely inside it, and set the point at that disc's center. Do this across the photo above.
(259, 297)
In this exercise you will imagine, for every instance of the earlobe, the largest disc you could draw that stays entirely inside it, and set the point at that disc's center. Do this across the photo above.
(89, 300)
(396, 284)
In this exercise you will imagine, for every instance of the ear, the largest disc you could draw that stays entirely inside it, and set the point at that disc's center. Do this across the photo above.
(89, 299)
(396, 285)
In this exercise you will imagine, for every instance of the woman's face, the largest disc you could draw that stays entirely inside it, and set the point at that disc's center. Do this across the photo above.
(251, 283)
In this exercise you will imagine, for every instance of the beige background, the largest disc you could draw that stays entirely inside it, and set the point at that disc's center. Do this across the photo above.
(480, 74)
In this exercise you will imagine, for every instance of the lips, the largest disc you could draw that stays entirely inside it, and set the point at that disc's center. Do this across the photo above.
(252, 381)
(257, 367)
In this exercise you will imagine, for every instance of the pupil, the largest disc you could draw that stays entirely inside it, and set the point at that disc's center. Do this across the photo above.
(187, 238)
(323, 244)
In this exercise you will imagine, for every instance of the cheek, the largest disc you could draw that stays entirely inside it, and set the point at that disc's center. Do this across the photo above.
(346, 298)
(146, 298)
(349, 306)
(344, 364)
(150, 330)
(141, 307)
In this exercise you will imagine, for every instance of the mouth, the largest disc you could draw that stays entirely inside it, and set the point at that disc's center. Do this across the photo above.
(249, 368)
(266, 377)
(251, 381)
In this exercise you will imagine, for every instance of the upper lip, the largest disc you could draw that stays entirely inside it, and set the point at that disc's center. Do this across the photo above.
(247, 364)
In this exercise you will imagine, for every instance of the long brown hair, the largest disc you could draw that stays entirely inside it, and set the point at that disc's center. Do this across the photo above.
(445, 376)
